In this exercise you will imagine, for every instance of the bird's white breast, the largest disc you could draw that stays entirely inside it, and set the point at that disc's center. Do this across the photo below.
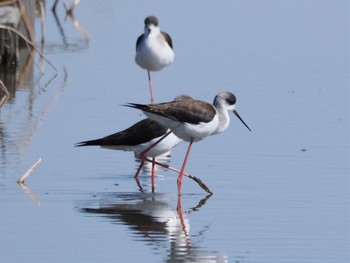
(198, 132)
(154, 53)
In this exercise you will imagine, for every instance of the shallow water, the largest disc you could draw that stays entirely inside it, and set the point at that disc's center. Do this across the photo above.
(281, 192)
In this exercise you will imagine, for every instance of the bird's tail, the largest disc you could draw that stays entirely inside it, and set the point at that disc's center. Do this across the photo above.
(137, 106)
(89, 143)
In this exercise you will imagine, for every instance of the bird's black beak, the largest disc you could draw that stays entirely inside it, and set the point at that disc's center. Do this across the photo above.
(239, 117)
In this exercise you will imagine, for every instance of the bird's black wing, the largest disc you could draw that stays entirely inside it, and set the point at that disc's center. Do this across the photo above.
(190, 111)
(139, 133)
(138, 41)
(168, 39)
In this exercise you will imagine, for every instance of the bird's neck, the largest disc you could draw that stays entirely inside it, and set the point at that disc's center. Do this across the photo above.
(154, 32)
(224, 119)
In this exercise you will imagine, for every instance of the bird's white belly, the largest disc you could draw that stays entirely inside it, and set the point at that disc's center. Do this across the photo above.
(154, 56)
(162, 147)
(198, 132)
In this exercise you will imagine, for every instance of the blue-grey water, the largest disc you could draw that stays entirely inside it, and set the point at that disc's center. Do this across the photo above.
(281, 192)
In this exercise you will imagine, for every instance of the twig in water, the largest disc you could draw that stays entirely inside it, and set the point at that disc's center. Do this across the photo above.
(6, 93)
(27, 173)
(25, 20)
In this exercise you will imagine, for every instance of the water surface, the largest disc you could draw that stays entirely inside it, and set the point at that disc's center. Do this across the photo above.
(281, 192)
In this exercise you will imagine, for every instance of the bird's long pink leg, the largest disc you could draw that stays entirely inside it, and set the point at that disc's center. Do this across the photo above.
(179, 178)
(139, 169)
(196, 179)
(166, 166)
(143, 158)
(137, 175)
(150, 86)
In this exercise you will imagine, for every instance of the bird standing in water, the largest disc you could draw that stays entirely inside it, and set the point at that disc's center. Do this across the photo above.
(192, 120)
(154, 49)
(147, 139)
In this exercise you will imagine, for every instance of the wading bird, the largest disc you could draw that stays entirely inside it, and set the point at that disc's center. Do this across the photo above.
(154, 49)
(192, 120)
(147, 139)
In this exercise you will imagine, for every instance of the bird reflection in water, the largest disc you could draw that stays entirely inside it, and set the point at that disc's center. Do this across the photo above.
(152, 220)
(69, 44)
(149, 168)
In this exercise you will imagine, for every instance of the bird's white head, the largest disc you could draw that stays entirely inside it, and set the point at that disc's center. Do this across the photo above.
(224, 102)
